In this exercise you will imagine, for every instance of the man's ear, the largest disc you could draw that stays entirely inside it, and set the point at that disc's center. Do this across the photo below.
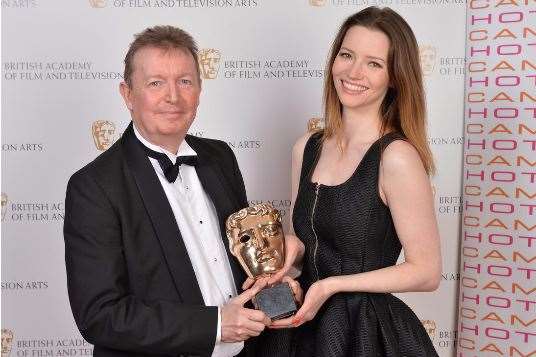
(125, 91)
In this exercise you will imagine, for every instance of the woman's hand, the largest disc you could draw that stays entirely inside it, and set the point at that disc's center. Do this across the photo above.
(294, 286)
(294, 250)
(296, 289)
(315, 297)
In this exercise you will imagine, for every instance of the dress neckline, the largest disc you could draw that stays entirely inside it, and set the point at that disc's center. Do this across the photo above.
(317, 158)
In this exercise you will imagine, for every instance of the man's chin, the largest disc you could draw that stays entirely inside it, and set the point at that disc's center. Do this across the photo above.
(174, 130)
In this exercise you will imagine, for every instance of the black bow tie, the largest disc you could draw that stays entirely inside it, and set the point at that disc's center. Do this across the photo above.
(171, 171)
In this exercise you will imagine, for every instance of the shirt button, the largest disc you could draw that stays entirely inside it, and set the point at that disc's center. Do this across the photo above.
(200, 222)
(215, 259)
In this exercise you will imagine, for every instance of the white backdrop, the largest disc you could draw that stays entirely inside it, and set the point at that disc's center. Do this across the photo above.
(61, 66)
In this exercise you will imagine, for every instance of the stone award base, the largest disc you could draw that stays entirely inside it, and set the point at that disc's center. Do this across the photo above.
(277, 302)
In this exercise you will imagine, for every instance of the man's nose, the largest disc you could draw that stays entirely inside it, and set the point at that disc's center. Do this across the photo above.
(173, 94)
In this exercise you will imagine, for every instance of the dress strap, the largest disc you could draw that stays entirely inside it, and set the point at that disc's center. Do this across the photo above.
(379, 146)
(388, 139)
(311, 153)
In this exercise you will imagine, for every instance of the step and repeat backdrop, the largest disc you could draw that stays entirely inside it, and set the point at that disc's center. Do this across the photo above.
(497, 305)
(262, 63)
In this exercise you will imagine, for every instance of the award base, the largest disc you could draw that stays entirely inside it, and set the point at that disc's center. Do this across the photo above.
(277, 302)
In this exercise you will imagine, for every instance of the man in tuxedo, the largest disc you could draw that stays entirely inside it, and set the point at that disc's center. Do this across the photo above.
(149, 270)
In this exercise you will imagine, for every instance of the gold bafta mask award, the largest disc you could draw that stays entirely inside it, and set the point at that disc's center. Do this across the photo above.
(256, 239)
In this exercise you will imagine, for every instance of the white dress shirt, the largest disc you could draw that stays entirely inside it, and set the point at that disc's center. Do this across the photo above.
(198, 223)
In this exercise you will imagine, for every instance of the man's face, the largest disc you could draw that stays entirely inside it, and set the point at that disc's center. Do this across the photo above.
(7, 340)
(104, 135)
(209, 60)
(164, 93)
(258, 244)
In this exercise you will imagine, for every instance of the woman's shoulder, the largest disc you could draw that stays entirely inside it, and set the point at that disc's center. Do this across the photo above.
(399, 156)
(301, 143)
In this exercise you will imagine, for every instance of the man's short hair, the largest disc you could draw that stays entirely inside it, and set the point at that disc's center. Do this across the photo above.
(163, 37)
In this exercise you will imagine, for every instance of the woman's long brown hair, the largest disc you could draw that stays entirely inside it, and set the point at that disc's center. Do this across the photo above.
(403, 109)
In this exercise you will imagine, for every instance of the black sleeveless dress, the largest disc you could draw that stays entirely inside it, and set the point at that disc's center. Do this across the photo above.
(347, 229)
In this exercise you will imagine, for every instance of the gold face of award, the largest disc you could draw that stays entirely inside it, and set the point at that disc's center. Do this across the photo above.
(256, 239)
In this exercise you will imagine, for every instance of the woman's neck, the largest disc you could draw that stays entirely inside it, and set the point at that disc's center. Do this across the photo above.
(360, 127)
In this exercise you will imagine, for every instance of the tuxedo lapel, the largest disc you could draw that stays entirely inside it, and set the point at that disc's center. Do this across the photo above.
(209, 173)
(162, 218)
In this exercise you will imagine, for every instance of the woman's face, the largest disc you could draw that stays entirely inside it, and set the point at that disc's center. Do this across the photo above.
(360, 72)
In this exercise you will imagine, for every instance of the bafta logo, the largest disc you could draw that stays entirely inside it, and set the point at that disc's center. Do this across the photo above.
(103, 132)
(7, 339)
(209, 63)
(98, 4)
(4, 207)
(430, 327)
(315, 124)
(428, 56)
(317, 2)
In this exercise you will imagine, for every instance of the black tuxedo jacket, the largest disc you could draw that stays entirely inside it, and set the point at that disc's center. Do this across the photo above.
(132, 288)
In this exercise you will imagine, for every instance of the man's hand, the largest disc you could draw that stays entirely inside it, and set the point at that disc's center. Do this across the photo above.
(239, 323)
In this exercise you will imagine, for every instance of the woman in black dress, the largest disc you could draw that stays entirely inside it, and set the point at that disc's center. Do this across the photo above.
(361, 193)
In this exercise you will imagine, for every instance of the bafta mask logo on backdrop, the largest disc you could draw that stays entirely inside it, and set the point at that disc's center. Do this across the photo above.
(4, 205)
(315, 124)
(430, 327)
(103, 132)
(7, 341)
(98, 4)
(428, 56)
(317, 2)
(209, 63)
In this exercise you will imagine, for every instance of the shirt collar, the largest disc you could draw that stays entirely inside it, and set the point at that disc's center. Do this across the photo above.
(184, 148)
